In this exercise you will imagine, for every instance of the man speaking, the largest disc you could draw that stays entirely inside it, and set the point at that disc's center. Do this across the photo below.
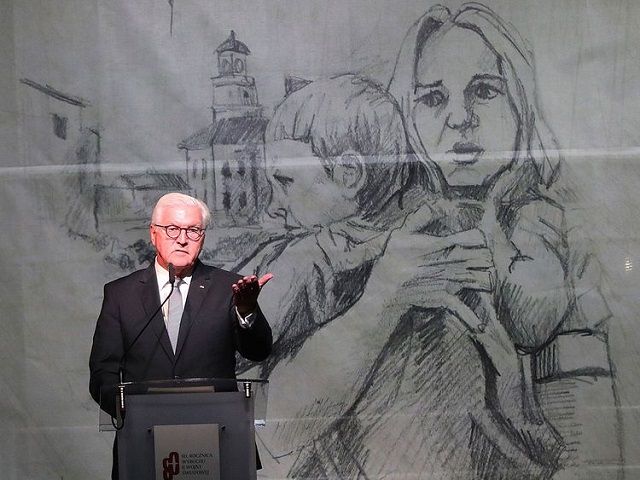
(178, 318)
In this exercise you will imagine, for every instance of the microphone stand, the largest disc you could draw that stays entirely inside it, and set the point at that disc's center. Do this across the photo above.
(120, 404)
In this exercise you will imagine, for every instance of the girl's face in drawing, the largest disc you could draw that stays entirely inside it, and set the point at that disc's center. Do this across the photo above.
(462, 112)
(303, 194)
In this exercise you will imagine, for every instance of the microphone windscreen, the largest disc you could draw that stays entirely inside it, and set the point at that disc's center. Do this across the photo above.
(172, 274)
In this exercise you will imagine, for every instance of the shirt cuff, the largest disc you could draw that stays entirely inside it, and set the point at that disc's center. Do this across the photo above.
(246, 321)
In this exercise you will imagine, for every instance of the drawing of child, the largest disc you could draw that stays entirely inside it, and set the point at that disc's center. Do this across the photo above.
(341, 181)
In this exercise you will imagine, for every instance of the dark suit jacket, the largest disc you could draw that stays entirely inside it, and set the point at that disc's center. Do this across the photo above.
(208, 340)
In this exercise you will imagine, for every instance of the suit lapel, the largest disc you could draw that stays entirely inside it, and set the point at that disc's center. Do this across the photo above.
(198, 288)
(150, 298)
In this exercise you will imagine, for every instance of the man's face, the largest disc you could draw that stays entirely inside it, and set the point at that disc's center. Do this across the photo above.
(182, 252)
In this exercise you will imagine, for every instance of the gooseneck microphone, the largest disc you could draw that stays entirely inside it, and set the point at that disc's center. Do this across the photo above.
(172, 275)
(120, 407)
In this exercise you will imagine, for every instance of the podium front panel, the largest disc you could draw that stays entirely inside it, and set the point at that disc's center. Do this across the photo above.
(223, 417)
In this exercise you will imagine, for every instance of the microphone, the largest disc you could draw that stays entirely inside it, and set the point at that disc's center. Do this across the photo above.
(120, 407)
(172, 274)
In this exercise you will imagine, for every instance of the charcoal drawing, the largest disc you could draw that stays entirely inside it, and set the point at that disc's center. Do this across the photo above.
(438, 309)
(473, 382)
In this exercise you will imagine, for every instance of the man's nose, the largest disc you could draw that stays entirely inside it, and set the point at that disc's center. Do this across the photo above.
(182, 236)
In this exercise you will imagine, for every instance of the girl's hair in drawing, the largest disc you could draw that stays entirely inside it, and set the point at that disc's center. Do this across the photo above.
(347, 113)
(176, 199)
(537, 149)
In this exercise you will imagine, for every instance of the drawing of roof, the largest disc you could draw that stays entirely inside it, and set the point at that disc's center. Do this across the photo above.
(233, 45)
(200, 140)
(293, 84)
(57, 94)
(152, 181)
(227, 131)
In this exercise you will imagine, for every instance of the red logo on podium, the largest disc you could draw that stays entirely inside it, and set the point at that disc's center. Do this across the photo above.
(170, 466)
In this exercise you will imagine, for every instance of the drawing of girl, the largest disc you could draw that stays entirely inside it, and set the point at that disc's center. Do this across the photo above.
(465, 83)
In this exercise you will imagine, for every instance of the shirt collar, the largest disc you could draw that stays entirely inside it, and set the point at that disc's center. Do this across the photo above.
(162, 275)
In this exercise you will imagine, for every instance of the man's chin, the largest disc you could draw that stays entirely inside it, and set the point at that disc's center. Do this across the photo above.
(183, 263)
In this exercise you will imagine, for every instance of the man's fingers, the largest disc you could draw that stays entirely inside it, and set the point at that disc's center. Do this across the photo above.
(250, 283)
(264, 279)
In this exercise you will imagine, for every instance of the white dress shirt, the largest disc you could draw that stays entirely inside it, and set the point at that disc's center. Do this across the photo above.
(164, 287)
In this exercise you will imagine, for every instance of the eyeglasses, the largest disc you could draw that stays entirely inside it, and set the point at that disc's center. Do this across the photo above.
(173, 231)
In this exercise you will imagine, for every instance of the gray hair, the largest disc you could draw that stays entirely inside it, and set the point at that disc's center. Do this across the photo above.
(176, 199)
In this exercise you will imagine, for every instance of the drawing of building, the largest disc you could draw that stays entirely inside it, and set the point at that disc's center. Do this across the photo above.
(225, 159)
(53, 123)
(224, 162)
(54, 134)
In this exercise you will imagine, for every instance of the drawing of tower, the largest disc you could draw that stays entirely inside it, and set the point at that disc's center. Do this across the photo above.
(225, 161)
(234, 92)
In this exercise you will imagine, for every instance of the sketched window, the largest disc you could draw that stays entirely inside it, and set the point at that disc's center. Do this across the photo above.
(242, 199)
(242, 169)
(226, 171)
(60, 126)
(225, 67)
(226, 201)
(238, 65)
(203, 169)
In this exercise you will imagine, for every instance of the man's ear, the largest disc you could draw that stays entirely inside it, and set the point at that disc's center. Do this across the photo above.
(152, 234)
(349, 172)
